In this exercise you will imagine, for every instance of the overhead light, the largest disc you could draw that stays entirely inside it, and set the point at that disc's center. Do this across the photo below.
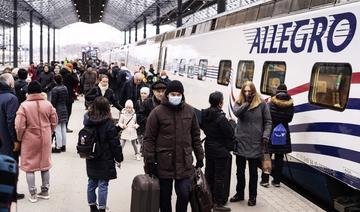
(77, 11)
(189, 9)
(102, 11)
(100, 16)
(168, 19)
(79, 16)
(103, 5)
(75, 4)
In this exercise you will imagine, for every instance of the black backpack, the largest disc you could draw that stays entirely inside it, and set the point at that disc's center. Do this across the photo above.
(88, 143)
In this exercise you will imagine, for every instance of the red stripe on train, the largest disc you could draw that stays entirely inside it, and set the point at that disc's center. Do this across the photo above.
(355, 79)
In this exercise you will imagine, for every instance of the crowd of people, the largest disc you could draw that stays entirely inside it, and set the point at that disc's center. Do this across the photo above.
(153, 115)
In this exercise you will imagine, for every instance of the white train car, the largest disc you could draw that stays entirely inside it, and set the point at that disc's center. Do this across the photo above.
(313, 50)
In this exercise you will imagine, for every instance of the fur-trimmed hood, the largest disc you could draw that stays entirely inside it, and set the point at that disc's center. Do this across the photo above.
(282, 100)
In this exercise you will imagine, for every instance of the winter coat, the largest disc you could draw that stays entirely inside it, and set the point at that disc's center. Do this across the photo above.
(46, 80)
(109, 94)
(103, 166)
(252, 127)
(70, 82)
(33, 73)
(59, 98)
(128, 119)
(218, 131)
(8, 107)
(21, 87)
(172, 134)
(88, 80)
(146, 107)
(282, 112)
(35, 121)
(131, 91)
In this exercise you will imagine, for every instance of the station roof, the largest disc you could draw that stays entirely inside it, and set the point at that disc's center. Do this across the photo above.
(120, 14)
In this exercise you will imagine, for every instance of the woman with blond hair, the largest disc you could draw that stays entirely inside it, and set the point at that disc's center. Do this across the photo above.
(252, 131)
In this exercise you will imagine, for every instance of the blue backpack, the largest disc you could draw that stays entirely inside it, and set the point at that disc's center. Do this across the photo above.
(278, 135)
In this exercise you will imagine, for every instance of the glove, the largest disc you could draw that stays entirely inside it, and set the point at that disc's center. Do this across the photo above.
(16, 146)
(151, 168)
(249, 98)
(199, 164)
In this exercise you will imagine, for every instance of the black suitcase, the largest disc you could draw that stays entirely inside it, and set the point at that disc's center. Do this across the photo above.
(145, 196)
(8, 175)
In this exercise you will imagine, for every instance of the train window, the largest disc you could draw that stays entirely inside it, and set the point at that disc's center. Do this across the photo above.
(175, 66)
(272, 76)
(213, 24)
(281, 7)
(300, 5)
(191, 68)
(221, 22)
(193, 30)
(202, 69)
(182, 66)
(224, 72)
(330, 85)
(266, 10)
(245, 72)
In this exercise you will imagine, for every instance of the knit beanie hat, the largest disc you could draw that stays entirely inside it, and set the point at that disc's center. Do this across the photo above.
(34, 87)
(281, 89)
(174, 86)
(129, 103)
(145, 90)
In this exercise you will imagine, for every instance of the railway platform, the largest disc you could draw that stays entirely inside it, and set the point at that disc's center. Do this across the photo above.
(68, 183)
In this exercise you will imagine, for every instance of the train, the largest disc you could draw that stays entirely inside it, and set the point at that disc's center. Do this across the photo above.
(312, 47)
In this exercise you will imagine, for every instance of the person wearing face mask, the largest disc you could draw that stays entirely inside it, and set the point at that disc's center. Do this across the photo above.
(218, 144)
(102, 90)
(172, 133)
(251, 132)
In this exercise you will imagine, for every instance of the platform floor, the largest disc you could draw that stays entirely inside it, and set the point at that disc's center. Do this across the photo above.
(68, 183)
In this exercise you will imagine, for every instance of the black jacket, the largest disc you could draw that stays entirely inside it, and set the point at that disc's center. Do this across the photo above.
(282, 111)
(219, 133)
(46, 80)
(70, 82)
(103, 166)
(59, 100)
(21, 87)
(145, 108)
(109, 94)
(131, 91)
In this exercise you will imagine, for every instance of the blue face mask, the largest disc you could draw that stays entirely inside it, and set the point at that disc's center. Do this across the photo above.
(175, 100)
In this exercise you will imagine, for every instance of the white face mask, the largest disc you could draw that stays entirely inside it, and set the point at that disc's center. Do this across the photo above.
(175, 100)
(163, 77)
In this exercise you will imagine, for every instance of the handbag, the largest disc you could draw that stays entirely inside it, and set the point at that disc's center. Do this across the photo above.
(200, 196)
(266, 160)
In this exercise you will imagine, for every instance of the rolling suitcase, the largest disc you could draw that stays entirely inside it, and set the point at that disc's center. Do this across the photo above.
(8, 175)
(145, 196)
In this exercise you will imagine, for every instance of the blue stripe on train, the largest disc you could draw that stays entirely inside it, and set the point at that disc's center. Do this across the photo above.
(337, 152)
(354, 103)
(332, 127)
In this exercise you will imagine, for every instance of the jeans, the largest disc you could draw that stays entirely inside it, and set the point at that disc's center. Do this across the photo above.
(182, 189)
(133, 142)
(45, 177)
(60, 134)
(240, 174)
(217, 176)
(276, 170)
(102, 186)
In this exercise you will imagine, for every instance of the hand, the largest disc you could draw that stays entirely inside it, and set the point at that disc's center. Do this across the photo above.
(249, 98)
(136, 126)
(199, 164)
(151, 168)
(16, 146)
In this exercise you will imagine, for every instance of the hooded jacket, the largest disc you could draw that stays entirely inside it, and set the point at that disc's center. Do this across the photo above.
(128, 119)
(59, 100)
(172, 134)
(282, 112)
(218, 131)
(8, 107)
(21, 87)
(103, 166)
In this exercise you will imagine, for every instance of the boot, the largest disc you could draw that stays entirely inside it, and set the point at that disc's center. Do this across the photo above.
(218, 207)
(252, 201)
(93, 208)
(102, 210)
(63, 148)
